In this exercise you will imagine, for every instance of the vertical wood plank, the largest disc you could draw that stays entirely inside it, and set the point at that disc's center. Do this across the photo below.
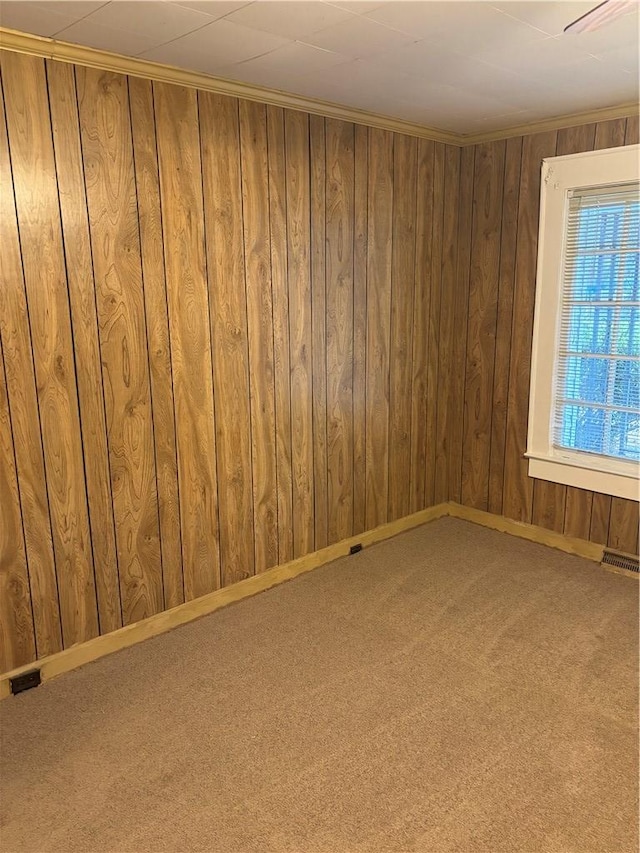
(220, 141)
(378, 324)
(600, 514)
(447, 329)
(339, 270)
(421, 303)
(460, 321)
(281, 343)
(632, 131)
(401, 346)
(21, 388)
(190, 335)
(506, 283)
(299, 289)
(361, 224)
(317, 147)
(17, 635)
(434, 321)
(77, 247)
(623, 525)
(255, 197)
(577, 513)
(113, 221)
(157, 319)
(483, 316)
(37, 205)
(610, 134)
(518, 486)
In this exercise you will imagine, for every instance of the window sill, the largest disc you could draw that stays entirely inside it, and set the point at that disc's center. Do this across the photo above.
(606, 482)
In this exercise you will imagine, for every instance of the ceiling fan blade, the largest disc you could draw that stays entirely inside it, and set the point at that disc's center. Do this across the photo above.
(600, 16)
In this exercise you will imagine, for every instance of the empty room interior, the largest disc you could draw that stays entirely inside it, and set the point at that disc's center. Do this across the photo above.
(319, 426)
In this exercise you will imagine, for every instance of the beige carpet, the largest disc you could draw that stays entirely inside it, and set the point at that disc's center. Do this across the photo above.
(454, 689)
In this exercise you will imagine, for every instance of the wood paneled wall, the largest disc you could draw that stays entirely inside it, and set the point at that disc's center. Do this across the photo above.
(225, 332)
(231, 334)
(498, 218)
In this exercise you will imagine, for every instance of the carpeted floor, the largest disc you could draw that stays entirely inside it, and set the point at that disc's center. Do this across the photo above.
(453, 689)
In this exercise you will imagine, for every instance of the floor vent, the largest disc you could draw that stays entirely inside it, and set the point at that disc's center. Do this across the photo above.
(621, 561)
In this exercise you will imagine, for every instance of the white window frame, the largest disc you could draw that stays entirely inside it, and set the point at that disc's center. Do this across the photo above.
(560, 175)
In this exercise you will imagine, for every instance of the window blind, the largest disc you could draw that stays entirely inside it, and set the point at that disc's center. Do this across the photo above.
(597, 393)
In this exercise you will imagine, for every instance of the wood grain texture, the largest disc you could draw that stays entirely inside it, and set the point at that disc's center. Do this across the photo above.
(317, 149)
(405, 173)
(632, 131)
(378, 324)
(243, 336)
(21, 387)
(45, 278)
(298, 203)
(573, 512)
(281, 333)
(255, 199)
(157, 322)
(482, 322)
(623, 525)
(600, 518)
(433, 332)
(220, 141)
(458, 352)
(80, 278)
(190, 334)
(360, 251)
(444, 411)
(103, 101)
(518, 487)
(339, 317)
(17, 635)
(504, 321)
(421, 313)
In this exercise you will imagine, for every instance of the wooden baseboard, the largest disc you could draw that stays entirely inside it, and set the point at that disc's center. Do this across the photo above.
(83, 653)
(77, 656)
(580, 547)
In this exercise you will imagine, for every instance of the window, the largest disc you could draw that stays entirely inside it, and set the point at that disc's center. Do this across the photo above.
(584, 413)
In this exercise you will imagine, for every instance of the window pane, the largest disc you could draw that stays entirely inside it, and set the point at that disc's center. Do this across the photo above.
(627, 333)
(603, 278)
(611, 433)
(586, 379)
(590, 329)
(582, 428)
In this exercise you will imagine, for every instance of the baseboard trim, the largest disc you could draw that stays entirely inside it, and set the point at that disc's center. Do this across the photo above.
(76, 656)
(569, 544)
(130, 635)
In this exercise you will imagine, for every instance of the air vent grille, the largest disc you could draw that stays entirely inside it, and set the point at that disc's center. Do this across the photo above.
(621, 561)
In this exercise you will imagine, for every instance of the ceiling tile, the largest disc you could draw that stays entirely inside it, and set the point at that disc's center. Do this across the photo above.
(43, 20)
(550, 16)
(293, 20)
(359, 37)
(626, 58)
(215, 46)
(537, 60)
(281, 68)
(106, 38)
(160, 22)
(215, 9)
(358, 7)
(457, 26)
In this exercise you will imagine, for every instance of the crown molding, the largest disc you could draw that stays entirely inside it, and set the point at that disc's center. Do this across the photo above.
(50, 48)
(556, 123)
(62, 51)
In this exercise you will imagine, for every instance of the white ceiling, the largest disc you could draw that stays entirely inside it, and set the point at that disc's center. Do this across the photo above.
(466, 67)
